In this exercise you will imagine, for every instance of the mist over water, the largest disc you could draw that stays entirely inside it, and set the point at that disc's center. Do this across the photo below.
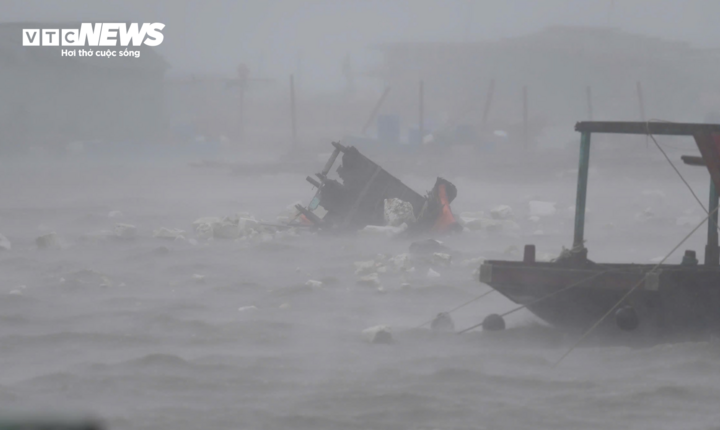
(150, 332)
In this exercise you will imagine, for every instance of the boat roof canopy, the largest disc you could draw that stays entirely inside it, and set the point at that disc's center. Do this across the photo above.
(707, 138)
(650, 127)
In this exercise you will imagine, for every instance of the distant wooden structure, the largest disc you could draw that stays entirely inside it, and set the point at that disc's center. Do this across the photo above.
(421, 113)
(293, 113)
(557, 63)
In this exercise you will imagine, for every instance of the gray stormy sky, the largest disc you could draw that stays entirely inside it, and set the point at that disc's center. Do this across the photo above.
(311, 37)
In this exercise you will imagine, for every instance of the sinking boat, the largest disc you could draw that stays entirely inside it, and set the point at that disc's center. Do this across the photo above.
(576, 293)
(358, 197)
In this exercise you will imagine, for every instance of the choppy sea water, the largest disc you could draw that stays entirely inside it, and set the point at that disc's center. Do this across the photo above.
(123, 330)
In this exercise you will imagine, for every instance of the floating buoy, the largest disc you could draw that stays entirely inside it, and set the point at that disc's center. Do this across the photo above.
(378, 334)
(442, 322)
(493, 322)
(626, 318)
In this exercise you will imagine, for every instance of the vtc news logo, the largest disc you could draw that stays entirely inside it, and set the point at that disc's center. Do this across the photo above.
(96, 34)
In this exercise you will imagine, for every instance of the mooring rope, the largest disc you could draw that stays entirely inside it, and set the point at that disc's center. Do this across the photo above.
(631, 290)
(460, 306)
(597, 275)
(593, 276)
(682, 178)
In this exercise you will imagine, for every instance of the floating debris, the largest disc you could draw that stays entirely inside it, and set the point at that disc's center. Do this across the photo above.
(46, 241)
(474, 224)
(125, 231)
(364, 267)
(230, 227)
(204, 226)
(432, 274)
(441, 259)
(383, 230)
(402, 262)
(442, 322)
(502, 212)
(371, 280)
(226, 229)
(472, 262)
(168, 233)
(427, 247)
(398, 212)
(378, 334)
(313, 283)
(290, 214)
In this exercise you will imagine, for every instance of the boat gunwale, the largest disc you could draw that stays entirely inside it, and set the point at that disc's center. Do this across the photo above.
(599, 267)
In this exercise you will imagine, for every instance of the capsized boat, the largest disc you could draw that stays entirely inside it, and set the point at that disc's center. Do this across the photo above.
(357, 198)
(575, 293)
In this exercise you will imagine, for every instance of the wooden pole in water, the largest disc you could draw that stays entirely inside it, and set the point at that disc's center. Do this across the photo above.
(241, 116)
(292, 111)
(525, 117)
(641, 102)
(588, 93)
(421, 120)
(375, 110)
(642, 107)
(488, 102)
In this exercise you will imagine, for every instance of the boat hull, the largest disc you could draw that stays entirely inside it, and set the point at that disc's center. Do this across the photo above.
(673, 299)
